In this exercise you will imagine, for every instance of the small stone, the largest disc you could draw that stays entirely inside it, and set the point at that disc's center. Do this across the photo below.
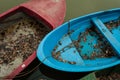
(71, 62)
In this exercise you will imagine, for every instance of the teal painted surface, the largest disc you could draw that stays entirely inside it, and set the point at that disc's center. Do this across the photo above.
(78, 39)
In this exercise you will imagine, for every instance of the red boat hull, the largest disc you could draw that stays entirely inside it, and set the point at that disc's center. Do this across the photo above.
(49, 12)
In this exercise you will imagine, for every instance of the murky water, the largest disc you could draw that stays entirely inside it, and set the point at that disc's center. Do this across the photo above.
(7, 4)
(75, 8)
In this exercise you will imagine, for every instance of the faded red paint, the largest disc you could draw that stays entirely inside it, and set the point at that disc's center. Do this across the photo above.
(50, 12)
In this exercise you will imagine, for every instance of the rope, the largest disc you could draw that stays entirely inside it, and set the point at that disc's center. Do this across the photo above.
(24, 74)
(33, 68)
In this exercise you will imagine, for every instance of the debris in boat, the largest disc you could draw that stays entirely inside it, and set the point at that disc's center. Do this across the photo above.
(59, 43)
(91, 37)
(6, 69)
(71, 62)
(110, 76)
(42, 79)
(101, 47)
(19, 40)
(112, 24)
(85, 56)
(57, 55)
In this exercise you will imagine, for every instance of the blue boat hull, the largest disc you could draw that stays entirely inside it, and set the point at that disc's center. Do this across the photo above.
(83, 44)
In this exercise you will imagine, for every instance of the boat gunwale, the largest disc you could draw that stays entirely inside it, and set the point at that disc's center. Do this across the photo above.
(40, 52)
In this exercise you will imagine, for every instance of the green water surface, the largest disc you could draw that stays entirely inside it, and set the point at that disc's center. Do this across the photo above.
(75, 8)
